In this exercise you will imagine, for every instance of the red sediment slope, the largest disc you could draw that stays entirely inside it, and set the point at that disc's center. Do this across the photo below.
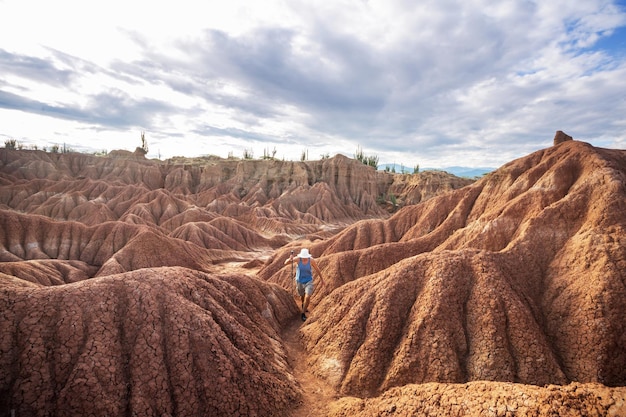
(121, 287)
(518, 277)
(485, 398)
(149, 342)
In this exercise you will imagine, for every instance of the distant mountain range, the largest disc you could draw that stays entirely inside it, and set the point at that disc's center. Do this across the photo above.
(464, 172)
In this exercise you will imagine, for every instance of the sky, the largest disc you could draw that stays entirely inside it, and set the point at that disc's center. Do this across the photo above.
(434, 83)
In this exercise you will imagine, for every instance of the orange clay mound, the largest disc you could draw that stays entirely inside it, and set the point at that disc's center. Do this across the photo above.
(136, 287)
(517, 278)
(158, 341)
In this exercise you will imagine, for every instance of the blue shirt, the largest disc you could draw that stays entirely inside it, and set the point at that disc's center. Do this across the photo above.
(303, 272)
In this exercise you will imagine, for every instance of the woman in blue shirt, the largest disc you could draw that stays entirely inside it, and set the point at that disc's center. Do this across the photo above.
(304, 277)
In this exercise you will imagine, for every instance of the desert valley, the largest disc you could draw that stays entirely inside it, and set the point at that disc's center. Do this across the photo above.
(136, 287)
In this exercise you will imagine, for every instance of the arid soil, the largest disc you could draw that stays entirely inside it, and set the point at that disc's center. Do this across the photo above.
(136, 287)
(317, 394)
(487, 399)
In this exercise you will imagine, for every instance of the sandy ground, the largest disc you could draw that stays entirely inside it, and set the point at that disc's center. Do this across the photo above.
(317, 394)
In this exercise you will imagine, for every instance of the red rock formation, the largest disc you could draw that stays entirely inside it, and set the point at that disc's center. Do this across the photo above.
(111, 302)
(160, 341)
(148, 249)
(413, 189)
(517, 277)
(49, 272)
(561, 137)
(488, 399)
(338, 189)
(252, 205)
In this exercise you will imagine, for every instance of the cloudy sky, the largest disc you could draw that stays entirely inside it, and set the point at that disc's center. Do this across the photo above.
(437, 83)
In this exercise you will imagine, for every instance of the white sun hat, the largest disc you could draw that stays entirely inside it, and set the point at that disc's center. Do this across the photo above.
(304, 253)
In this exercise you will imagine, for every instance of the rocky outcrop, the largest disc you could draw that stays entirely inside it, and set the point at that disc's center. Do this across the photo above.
(409, 189)
(75, 186)
(137, 287)
(85, 208)
(159, 341)
(515, 278)
(487, 399)
(561, 137)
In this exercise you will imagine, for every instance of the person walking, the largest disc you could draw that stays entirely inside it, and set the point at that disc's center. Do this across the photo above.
(304, 277)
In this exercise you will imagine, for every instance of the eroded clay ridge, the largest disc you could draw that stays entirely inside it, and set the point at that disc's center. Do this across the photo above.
(110, 303)
(157, 341)
(95, 189)
(519, 277)
(487, 399)
(101, 212)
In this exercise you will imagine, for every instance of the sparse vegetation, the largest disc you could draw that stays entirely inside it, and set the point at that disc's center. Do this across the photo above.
(359, 155)
(402, 170)
(305, 155)
(144, 143)
(385, 199)
(266, 153)
(57, 149)
(371, 160)
(10, 144)
(248, 154)
(394, 201)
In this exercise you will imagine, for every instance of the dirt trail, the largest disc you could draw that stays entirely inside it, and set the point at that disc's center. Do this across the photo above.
(317, 393)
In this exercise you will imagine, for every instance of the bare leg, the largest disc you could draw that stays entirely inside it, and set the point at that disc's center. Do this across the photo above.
(305, 303)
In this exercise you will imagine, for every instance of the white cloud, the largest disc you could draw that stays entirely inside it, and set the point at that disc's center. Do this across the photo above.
(435, 83)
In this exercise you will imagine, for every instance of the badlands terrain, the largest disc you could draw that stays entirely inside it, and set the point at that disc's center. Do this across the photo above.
(134, 287)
